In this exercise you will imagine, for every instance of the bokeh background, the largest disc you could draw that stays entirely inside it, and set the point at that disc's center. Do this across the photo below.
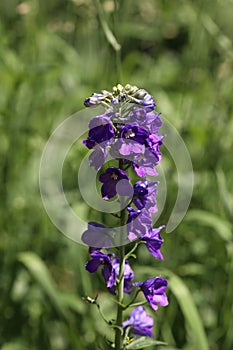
(54, 54)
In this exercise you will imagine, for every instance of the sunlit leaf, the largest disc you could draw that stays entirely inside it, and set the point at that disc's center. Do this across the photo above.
(13, 346)
(142, 343)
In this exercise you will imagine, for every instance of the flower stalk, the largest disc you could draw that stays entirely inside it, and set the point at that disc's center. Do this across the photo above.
(120, 288)
(128, 132)
(120, 297)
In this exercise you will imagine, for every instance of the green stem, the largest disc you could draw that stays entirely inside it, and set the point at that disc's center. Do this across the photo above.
(120, 296)
(129, 254)
(107, 31)
(131, 302)
(101, 314)
(120, 287)
(110, 36)
(117, 52)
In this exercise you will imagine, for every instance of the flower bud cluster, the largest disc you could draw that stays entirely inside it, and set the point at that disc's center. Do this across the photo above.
(121, 94)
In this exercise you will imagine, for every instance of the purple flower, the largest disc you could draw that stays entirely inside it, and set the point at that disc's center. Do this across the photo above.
(139, 223)
(154, 242)
(154, 291)
(128, 274)
(154, 141)
(98, 156)
(104, 260)
(130, 149)
(145, 195)
(101, 130)
(138, 116)
(141, 323)
(143, 158)
(144, 163)
(100, 135)
(97, 235)
(115, 181)
(154, 121)
(110, 270)
(131, 139)
(135, 133)
(150, 121)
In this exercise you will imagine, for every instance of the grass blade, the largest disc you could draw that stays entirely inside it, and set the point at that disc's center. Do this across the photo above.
(39, 271)
(185, 300)
(222, 227)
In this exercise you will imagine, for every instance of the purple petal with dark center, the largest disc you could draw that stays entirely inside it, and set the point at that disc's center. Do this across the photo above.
(108, 190)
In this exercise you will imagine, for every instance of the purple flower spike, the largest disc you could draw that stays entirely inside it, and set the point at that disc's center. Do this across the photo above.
(154, 242)
(108, 272)
(141, 323)
(154, 291)
(115, 181)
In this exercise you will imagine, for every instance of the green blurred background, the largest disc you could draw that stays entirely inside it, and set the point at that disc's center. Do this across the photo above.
(54, 54)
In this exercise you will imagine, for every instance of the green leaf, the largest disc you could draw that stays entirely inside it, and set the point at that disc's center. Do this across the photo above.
(224, 194)
(107, 31)
(13, 346)
(184, 297)
(143, 342)
(222, 227)
(42, 275)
